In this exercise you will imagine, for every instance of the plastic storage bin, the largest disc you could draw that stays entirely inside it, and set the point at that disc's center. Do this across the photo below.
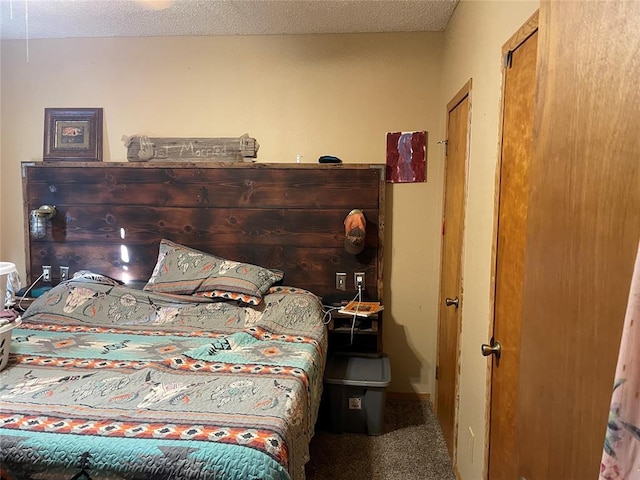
(5, 269)
(356, 391)
(5, 341)
(5, 330)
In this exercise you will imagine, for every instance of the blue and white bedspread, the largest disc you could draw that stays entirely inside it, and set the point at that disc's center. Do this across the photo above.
(139, 385)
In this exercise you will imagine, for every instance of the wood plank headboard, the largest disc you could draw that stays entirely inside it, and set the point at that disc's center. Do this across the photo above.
(112, 216)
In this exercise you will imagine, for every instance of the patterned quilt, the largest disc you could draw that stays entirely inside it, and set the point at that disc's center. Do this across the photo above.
(137, 385)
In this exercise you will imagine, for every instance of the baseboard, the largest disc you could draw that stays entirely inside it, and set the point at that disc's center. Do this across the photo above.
(409, 396)
(456, 472)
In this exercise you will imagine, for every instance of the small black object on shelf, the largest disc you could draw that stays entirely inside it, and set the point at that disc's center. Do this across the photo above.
(329, 159)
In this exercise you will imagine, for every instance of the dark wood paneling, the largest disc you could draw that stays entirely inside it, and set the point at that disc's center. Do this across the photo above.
(111, 218)
(299, 226)
(312, 268)
(194, 186)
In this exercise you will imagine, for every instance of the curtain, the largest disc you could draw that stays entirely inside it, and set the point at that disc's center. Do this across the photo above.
(621, 455)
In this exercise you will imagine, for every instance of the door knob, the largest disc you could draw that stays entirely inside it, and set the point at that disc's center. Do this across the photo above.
(494, 348)
(451, 301)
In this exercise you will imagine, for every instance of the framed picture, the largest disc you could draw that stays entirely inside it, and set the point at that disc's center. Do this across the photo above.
(406, 157)
(73, 134)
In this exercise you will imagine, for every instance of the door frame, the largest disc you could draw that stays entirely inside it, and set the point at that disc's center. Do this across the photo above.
(464, 92)
(517, 39)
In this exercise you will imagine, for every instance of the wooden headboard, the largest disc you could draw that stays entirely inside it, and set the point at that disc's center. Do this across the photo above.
(112, 216)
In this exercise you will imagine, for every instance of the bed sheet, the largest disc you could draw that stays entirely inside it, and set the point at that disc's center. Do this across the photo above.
(133, 384)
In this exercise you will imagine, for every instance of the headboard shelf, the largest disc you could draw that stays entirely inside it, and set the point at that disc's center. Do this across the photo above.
(112, 216)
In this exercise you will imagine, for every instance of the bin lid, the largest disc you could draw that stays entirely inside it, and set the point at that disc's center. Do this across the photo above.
(7, 327)
(7, 267)
(358, 370)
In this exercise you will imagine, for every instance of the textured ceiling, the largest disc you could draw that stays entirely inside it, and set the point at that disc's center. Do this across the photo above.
(105, 18)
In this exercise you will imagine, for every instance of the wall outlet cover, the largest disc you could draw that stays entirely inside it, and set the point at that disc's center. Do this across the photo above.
(46, 273)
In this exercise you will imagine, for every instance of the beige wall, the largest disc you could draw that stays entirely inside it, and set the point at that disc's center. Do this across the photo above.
(3, 191)
(472, 49)
(308, 95)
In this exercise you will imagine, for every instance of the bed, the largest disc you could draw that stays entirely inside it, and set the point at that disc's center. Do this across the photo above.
(209, 364)
(163, 385)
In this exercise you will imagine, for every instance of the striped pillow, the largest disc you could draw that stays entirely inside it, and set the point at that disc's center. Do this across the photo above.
(182, 270)
(96, 277)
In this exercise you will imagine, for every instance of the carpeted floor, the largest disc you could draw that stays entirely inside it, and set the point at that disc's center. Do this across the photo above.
(411, 447)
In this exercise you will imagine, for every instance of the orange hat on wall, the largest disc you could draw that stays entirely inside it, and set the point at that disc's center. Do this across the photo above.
(355, 228)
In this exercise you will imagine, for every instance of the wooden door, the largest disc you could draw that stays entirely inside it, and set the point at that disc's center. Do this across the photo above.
(519, 82)
(582, 233)
(449, 325)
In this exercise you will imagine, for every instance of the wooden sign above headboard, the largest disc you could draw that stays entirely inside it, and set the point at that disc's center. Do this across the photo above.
(111, 217)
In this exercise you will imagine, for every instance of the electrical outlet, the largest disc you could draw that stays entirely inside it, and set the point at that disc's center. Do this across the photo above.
(64, 273)
(358, 279)
(46, 273)
(341, 281)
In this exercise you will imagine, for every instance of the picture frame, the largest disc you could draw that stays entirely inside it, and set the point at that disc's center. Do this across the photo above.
(72, 134)
(406, 157)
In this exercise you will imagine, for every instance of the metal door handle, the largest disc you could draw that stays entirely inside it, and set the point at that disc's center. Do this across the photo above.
(494, 348)
(451, 301)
